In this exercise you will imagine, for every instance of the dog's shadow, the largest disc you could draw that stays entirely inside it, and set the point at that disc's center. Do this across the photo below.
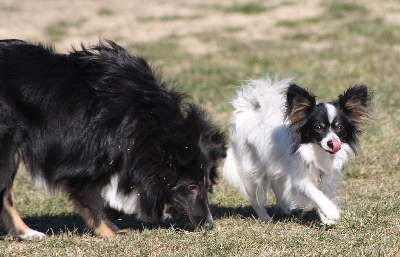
(74, 224)
(304, 218)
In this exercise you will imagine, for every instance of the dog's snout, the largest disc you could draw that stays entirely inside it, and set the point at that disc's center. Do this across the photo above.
(334, 144)
(209, 224)
(205, 222)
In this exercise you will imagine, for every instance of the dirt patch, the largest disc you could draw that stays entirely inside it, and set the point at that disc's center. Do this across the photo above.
(66, 23)
(70, 22)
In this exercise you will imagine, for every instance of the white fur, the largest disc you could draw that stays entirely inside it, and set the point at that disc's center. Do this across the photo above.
(41, 182)
(331, 112)
(31, 234)
(128, 203)
(116, 199)
(259, 158)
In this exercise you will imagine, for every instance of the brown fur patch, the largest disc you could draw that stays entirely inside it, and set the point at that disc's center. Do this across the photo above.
(10, 217)
(99, 223)
(300, 111)
(104, 231)
(358, 112)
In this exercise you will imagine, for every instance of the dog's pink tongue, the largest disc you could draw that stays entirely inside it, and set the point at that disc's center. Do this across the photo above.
(336, 145)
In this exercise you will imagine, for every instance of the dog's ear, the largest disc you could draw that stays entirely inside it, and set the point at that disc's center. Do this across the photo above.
(214, 144)
(354, 103)
(209, 138)
(206, 138)
(299, 103)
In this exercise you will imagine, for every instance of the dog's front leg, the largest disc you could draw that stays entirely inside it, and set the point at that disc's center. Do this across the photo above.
(328, 212)
(89, 204)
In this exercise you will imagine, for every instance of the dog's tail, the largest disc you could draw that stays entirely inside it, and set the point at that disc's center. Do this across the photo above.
(263, 95)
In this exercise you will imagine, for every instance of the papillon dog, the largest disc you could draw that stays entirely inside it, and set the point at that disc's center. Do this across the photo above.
(293, 145)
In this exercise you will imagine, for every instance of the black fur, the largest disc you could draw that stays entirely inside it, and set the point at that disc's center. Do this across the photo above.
(78, 119)
(306, 116)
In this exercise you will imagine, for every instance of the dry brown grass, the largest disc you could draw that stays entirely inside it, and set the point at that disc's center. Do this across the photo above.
(208, 48)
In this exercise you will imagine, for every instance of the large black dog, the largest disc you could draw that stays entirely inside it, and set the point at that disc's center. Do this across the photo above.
(99, 126)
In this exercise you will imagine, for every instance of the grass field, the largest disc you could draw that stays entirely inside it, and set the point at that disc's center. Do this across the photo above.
(208, 48)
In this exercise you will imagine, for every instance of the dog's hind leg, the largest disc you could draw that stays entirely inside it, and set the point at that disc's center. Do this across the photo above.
(256, 195)
(13, 222)
(257, 200)
(247, 188)
(89, 204)
(8, 213)
(279, 188)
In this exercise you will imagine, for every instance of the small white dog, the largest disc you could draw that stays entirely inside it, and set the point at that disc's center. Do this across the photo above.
(292, 145)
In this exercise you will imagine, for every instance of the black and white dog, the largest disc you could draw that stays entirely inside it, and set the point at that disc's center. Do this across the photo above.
(292, 145)
(98, 125)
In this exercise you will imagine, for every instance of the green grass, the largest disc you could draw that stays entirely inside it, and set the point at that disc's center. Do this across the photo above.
(248, 8)
(346, 47)
(60, 29)
(338, 9)
(105, 12)
(170, 18)
(298, 23)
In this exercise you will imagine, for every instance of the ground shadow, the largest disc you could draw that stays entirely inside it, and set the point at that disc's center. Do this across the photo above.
(53, 225)
(306, 218)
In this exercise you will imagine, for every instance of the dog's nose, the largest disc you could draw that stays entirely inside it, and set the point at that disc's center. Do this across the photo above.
(334, 144)
(206, 223)
(209, 224)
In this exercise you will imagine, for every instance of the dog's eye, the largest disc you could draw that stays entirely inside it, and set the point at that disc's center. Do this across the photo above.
(193, 188)
(339, 127)
(318, 128)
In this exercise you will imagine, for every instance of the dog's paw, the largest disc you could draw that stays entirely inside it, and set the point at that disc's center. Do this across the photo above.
(32, 235)
(325, 220)
(264, 218)
(330, 215)
(123, 232)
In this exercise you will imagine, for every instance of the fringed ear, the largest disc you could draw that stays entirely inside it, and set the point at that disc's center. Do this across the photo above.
(299, 103)
(354, 103)
(214, 143)
(210, 139)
